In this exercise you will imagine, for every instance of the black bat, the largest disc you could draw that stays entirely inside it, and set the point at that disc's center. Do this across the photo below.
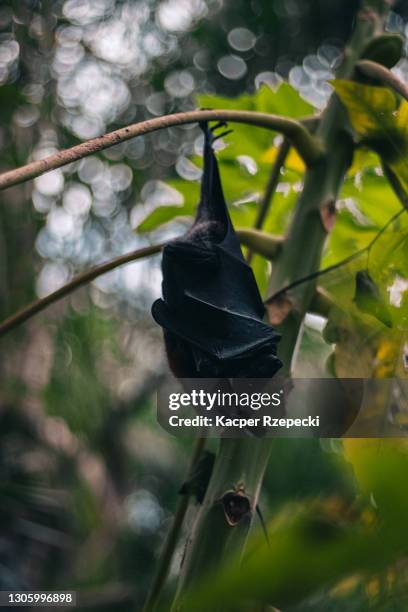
(211, 311)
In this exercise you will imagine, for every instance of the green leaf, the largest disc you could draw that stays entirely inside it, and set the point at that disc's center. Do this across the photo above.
(369, 300)
(245, 140)
(283, 101)
(163, 215)
(379, 349)
(370, 108)
(373, 197)
(365, 205)
(242, 193)
(380, 121)
(190, 190)
(386, 49)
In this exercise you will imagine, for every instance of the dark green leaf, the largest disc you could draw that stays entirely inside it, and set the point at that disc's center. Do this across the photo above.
(386, 49)
(369, 300)
(379, 120)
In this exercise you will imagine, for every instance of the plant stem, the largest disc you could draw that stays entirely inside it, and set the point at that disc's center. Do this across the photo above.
(173, 535)
(261, 243)
(213, 540)
(306, 144)
(244, 461)
(396, 185)
(270, 189)
(273, 182)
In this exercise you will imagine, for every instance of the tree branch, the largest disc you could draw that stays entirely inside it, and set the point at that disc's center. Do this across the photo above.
(306, 144)
(272, 183)
(78, 281)
(373, 70)
(270, 189)
(311, 123)
(260, 242)
(270, 246)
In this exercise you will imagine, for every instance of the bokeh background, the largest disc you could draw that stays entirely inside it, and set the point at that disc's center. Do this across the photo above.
(88, 480)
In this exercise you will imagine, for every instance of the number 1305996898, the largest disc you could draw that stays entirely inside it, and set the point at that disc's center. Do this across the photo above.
(38, 598)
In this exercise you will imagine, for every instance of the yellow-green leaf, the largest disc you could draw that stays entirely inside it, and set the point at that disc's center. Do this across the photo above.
(370, 108)
(380, 121)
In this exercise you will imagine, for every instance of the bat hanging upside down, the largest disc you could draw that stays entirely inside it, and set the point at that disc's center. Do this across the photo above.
(211, 311)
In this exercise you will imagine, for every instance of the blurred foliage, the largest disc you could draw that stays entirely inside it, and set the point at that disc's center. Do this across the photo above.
(88, 482)
(349, 553)
(380, 121)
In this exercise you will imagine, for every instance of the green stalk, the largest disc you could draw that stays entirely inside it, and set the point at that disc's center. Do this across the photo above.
(170, 543)
(242, 462)
(270, 189)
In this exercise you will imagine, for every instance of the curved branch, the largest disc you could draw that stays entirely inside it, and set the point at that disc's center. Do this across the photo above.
(373, 70)
(78, 281)
(271, 248)
(306, 144)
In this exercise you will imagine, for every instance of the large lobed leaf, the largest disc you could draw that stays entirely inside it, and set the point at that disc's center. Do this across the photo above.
(380, 120)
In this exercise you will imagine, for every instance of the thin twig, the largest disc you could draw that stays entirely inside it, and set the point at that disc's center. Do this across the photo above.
(337, 265)
(78, 281)
(306, 144)
(170, 543)
(273, 182)
(270, 189)
(396, 186)
(373, 70)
